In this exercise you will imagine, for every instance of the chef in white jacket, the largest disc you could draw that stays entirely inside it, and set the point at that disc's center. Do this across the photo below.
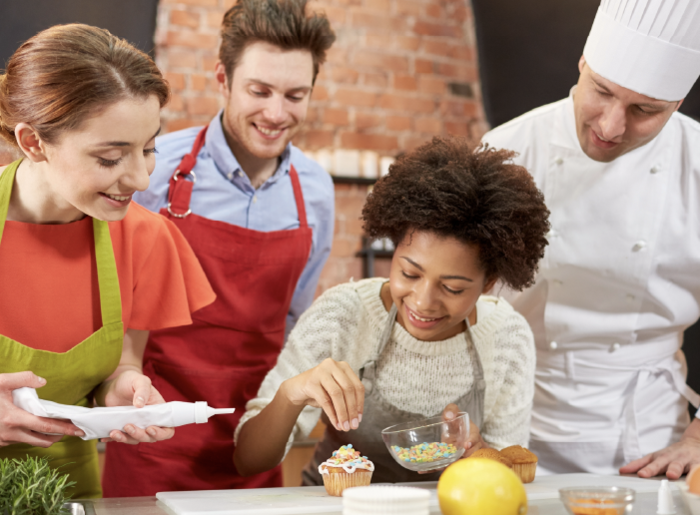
(620, 171)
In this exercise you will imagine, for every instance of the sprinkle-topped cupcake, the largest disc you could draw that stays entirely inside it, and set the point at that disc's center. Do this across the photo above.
(345, 468)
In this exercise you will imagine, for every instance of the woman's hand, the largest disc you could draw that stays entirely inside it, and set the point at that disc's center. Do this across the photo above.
(133, 388)
(451, 433)
(19, 426)
(473, 443)
(332, 386)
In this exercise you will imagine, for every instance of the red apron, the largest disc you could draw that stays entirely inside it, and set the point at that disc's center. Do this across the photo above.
(223, 356)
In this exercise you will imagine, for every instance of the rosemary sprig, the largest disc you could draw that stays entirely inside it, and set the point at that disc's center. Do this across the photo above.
(31, 487)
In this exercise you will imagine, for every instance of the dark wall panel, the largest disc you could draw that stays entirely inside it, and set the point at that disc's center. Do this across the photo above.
(133, 20)
(529, 52)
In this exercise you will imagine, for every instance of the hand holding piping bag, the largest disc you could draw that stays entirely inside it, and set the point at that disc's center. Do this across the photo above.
(18, 426)
(132, 387)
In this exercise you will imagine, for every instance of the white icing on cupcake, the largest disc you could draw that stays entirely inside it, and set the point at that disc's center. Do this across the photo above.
(348, 459)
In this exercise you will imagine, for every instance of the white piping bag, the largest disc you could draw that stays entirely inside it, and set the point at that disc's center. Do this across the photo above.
(99, 422)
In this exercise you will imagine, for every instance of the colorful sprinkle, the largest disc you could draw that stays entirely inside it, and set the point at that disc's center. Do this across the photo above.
(349, 459)
(425, 452)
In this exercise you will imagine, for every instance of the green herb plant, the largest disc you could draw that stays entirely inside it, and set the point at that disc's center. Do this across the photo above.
(31, 487)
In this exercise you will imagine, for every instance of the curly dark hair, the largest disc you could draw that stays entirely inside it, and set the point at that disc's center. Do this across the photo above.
(475, 195)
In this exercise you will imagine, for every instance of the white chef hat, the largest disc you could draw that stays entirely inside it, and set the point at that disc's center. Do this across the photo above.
(649, 46)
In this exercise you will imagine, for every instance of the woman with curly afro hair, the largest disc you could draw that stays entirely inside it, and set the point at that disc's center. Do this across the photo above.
(426, 341)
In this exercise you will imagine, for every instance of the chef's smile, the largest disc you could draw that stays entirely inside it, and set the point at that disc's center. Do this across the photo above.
(602, 142)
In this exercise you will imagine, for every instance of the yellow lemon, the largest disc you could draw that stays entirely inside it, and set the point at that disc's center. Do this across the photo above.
(479, 486)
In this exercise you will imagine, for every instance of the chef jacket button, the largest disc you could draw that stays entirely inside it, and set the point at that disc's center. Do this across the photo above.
(630, 297)
(558, 160)
(553, 345)
(615, 346)
(639, 246)
(655, 169)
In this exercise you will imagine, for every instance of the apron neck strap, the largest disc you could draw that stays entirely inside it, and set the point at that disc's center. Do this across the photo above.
(110, 296)
(298, 196)
(7, 179)
(180, 190)
(386, 333)
(107, 276)
(479, 380)
(368, 369)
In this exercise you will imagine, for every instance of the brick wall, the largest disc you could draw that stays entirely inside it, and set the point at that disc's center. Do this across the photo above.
(400, 72)
(7, 155)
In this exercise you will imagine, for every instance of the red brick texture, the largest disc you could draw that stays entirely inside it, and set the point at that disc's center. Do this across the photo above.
(386, 87)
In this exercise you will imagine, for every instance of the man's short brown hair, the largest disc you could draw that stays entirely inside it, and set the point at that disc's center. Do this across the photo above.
(283, 23)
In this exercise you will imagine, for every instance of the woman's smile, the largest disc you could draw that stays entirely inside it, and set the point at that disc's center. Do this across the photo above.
(435, 282)
(421, 322)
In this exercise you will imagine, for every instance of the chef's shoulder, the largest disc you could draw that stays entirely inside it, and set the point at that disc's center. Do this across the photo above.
(689, 130)
(526, 133)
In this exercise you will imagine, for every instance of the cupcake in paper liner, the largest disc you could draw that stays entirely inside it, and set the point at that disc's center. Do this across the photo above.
(344, 469)
(524, 462)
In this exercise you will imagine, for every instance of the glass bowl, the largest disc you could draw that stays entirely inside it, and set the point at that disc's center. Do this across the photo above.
(597, 500)
(691, 500)
(428, 444)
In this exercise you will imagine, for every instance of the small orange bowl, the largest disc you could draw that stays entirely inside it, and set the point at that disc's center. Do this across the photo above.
(691, 500)
(592, 500)
(693, 480)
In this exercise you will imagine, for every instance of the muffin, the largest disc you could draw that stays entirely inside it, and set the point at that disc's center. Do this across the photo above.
(344, 469)
(493, 454)
(524, 462)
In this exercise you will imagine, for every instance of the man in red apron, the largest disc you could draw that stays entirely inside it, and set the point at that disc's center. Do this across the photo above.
(259, 216)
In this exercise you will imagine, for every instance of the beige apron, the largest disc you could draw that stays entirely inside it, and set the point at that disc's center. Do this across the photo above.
(380, 414)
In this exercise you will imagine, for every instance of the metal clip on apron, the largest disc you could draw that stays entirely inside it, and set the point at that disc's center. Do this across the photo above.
(227, 351)
(380, 414)
(72, 375)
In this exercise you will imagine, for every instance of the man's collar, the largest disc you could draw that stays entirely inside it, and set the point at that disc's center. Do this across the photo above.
(564, 134)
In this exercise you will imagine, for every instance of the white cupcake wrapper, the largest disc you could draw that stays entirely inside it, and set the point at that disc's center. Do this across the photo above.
(386, 500)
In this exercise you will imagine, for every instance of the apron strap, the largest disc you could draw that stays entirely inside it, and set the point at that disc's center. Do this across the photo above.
(476, 413)
(7, 179)
(107, 276)
(368, 370)
(631, 446)
(180, 191)
(479, 381)
(298, 196)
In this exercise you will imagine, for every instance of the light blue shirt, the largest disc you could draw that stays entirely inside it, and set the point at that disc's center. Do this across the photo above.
(223, 192)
